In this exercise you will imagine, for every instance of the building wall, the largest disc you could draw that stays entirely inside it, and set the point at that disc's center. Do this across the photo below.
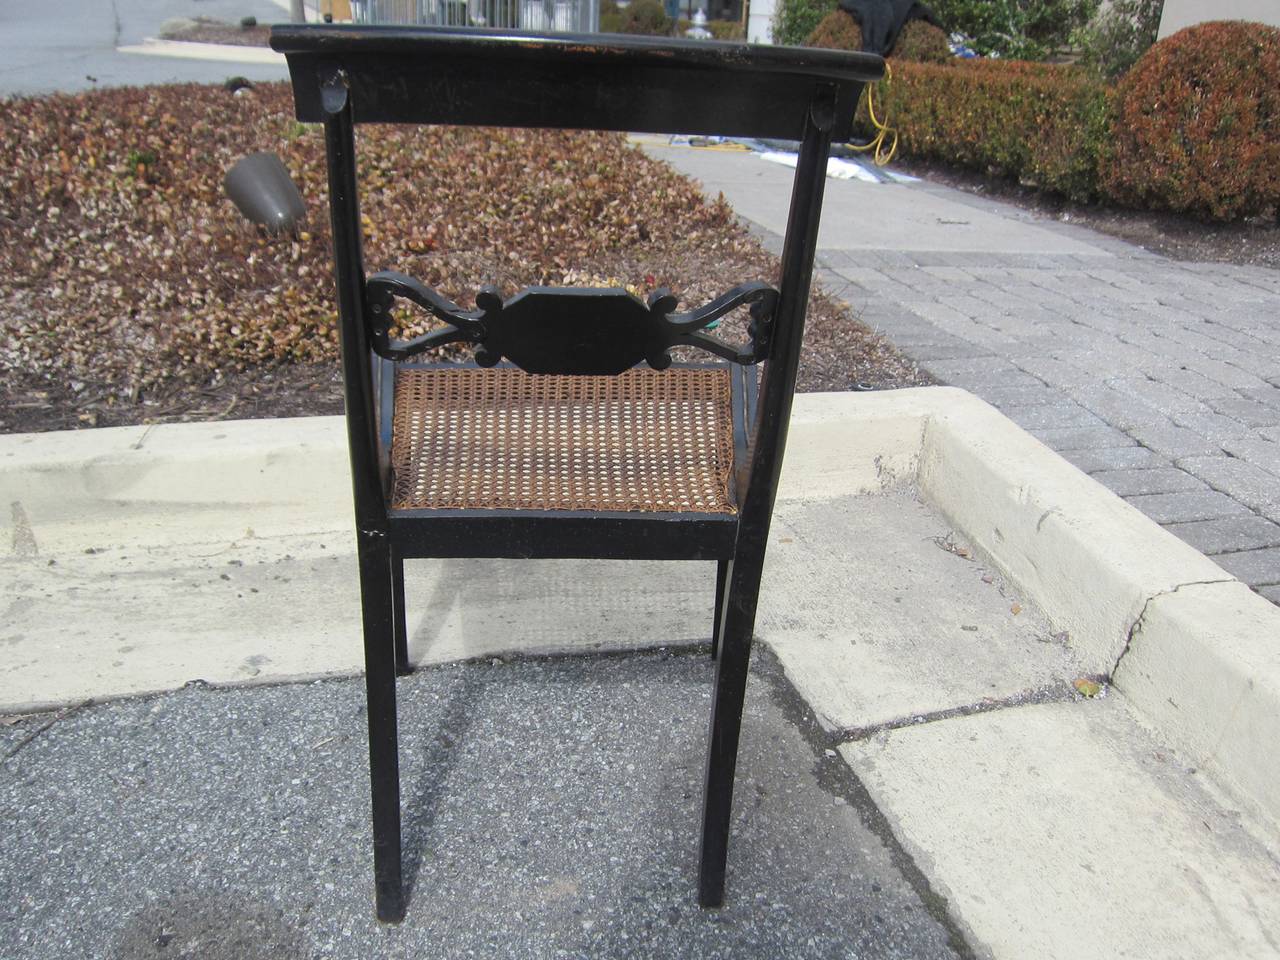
(760, 21)
(1183, 13)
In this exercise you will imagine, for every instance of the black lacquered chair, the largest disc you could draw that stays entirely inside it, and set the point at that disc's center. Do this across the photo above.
(573, 434)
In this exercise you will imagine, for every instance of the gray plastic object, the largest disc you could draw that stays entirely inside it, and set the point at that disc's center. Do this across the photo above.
(261, 188)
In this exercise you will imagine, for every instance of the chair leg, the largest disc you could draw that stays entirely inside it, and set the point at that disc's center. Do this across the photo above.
(738, 623)
(400, 625)
(380, 682)
(722, 572)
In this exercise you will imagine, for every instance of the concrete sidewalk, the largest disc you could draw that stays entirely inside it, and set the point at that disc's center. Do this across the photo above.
(1161, 379)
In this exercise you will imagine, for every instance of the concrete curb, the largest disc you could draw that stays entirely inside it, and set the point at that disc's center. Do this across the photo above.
(1189, 645)
(1203, 666)
(1089, 559)
(179, 483)
(192, 50)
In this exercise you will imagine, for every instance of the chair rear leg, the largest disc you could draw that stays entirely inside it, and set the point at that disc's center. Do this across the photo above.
(403, 668)
(737, 624)
(384, 760)
(722, 573)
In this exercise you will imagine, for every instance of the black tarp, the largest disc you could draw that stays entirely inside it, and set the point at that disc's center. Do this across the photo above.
(882, 20)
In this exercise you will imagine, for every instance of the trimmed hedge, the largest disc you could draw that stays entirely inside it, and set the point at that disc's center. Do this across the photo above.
(646, 17)
(922, 43)
(649, 17)
(719, 29)
(1194, 127)
(918, 41)
(1197, 124)
(836, 31)
(1042, 124)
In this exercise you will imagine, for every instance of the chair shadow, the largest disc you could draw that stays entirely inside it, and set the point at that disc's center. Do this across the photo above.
(420, 803)
(213, 925)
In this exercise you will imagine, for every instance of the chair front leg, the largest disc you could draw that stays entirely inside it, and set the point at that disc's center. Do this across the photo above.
(376, 592)
(737, 623)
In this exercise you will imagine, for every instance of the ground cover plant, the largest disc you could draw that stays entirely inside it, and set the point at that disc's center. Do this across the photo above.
(131, 289)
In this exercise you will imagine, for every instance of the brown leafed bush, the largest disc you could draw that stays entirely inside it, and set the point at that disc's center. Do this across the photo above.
(122, 261)
(1197, 124)
(836, 31)
(645, 17)
(1042, 124)
(919, 41)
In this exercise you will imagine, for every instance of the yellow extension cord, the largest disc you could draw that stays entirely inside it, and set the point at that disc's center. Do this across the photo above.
(883, 130)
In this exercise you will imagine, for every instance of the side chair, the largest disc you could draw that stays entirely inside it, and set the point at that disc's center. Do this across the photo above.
(573, 434)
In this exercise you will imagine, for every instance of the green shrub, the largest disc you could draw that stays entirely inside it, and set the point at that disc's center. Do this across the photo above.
(645, 17)
(918, 41)
(610, 17)
(794, 20)
(1042, 124)
(1020, 29)
(1197, 124)
(1115, 39)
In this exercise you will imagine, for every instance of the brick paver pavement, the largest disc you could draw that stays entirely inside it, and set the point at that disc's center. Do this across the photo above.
(1159, 378)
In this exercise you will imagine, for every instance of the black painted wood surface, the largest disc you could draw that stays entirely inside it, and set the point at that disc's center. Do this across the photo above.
(577, 81)
(591, 331)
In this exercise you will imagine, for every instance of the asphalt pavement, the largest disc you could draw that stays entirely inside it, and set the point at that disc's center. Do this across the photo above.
(551, 810)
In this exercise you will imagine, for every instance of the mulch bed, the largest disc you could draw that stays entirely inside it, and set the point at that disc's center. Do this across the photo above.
(132, 291)
(1174, 235)
(209, 30)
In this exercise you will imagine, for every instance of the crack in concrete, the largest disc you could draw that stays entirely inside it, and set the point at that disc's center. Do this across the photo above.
(24, 537)
(1136, 626)
(137, 445)
(1061, 692)
(115, 17)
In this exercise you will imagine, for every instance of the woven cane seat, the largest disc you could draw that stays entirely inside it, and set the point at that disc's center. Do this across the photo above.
(503, 439)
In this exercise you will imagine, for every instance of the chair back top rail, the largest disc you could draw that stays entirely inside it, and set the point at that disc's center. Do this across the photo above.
(479, 77)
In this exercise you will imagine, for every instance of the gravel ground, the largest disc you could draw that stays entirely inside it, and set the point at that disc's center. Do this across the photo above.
(551, 811)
